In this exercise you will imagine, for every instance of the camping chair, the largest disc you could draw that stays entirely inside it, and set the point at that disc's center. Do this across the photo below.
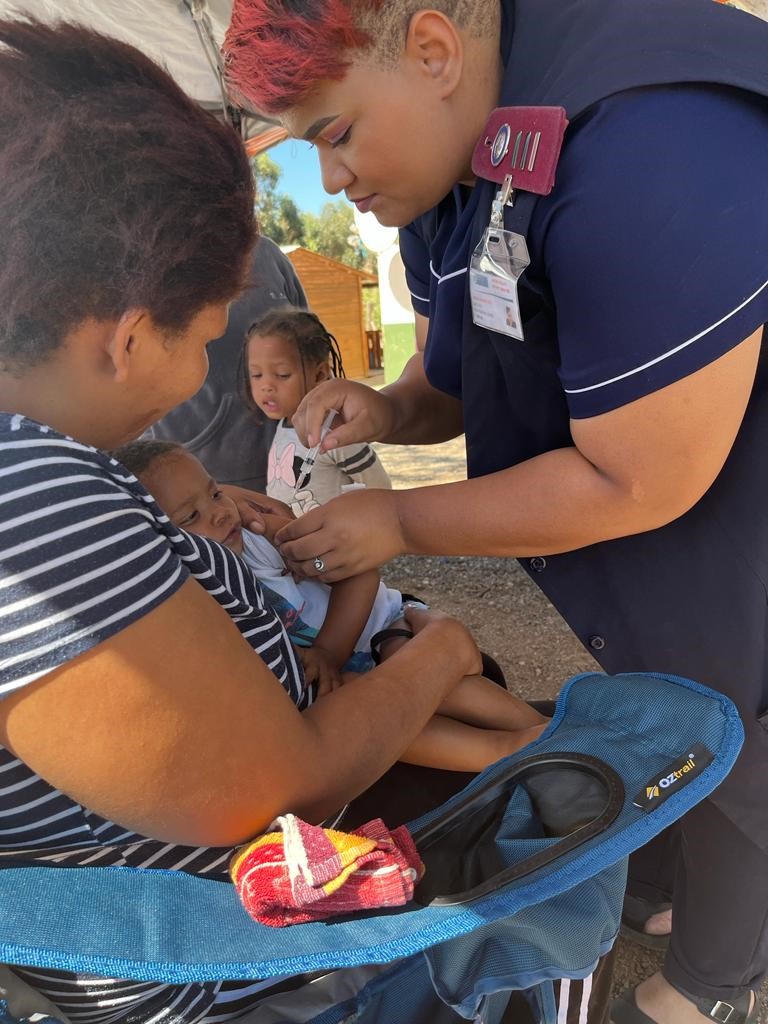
(525, 877)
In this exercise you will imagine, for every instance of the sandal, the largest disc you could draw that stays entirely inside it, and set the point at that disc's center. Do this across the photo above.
(625, 1010)
(635, 914)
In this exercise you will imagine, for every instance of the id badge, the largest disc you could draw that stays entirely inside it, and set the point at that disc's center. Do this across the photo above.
(494, 270)
(518, 150)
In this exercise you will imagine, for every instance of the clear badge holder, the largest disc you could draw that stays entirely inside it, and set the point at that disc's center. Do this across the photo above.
(497, 263)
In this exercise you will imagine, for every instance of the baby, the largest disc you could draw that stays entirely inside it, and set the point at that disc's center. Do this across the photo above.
(348, 625)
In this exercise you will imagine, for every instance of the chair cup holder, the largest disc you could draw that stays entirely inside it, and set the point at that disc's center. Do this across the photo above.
(518, 822)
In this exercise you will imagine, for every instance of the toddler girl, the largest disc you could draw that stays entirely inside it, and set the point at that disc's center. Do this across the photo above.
(286, 355)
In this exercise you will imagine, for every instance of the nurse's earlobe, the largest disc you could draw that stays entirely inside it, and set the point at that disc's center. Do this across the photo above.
(435, 43)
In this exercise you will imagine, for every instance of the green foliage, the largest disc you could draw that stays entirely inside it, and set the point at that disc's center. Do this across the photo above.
(333, 233)
(372, 308)
(279, 217)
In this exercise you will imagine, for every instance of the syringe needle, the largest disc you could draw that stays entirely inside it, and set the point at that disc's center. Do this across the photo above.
(311, 456)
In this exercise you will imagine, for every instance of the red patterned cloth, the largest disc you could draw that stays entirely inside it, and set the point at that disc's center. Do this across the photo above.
(307, 873)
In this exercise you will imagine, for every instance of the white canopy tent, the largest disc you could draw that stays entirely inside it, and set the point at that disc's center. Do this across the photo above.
(184, 36)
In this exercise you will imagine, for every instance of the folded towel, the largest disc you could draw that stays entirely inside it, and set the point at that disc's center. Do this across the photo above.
(308, 873)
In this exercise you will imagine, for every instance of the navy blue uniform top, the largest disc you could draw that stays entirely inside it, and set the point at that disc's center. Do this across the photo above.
(653, 246)
(649, 260)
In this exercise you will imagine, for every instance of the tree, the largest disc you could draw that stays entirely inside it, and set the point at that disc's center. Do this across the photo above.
(333, 233)
(278, 215)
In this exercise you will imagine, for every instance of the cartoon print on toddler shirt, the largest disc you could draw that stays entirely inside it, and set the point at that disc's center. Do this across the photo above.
(285, 469)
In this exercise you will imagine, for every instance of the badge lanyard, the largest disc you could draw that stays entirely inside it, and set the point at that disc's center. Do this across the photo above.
(499, 259)
(501, 256)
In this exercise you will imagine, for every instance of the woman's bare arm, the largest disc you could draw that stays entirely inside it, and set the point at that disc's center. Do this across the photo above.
(630, 470)
(176, 729)
(634, 469)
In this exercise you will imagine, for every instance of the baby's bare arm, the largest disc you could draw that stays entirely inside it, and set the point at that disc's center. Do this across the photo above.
(349, 607)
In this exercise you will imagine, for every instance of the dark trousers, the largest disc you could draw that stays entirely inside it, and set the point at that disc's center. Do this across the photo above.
(571, 997)
(717, 879)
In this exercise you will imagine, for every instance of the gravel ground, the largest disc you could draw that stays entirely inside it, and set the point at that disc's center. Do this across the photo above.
(509, 617)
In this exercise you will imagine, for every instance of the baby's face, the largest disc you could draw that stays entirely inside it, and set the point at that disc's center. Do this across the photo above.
(192, 500)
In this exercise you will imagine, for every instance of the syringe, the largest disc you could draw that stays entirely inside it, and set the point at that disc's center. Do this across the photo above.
(309, 461)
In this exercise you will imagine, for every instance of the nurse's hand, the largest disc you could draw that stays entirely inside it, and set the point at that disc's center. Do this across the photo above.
(350, 534)
(365, 414)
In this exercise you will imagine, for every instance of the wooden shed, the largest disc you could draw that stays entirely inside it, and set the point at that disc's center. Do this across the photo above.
(335, 293)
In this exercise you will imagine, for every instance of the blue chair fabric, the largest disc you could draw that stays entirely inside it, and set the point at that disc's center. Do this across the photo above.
(526, 870)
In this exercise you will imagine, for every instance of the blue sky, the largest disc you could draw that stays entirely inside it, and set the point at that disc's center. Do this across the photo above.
(301, 175)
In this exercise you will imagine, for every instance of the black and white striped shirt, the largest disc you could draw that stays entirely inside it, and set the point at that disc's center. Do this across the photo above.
(84, 552)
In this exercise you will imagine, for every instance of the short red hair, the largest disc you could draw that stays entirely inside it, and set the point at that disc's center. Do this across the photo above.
(276, 52)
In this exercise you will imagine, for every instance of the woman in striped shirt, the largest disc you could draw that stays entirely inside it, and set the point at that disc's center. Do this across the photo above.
(137, 726)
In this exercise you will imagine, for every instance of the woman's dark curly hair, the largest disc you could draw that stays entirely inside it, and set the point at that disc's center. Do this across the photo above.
(314, 343)
(117, 191)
